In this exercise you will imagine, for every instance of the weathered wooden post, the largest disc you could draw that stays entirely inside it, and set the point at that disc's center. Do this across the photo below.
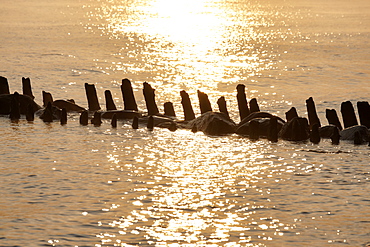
(242, 101)
(169, 110)
(150, 124)
(30, 114)
(315, 134)
(84, 118)
(363, 109)
(4, 85)
(15, 113)
(221, 102)
(149, 97)
(204, 104)
(273, 130)
(109, 103)
(27, 89)
(96, 120)
(47, 115)
(253, 105)
(114, 121)
(128, 96)
(292, 113)
(63, 118)
(92, 97)
(46, 98)
(332, 117)
(312, 114)
(348, 114)
(135, 123)
(254, 130)
(186, 105)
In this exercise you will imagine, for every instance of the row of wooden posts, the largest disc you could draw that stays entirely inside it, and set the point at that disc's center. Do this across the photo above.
(347, 109)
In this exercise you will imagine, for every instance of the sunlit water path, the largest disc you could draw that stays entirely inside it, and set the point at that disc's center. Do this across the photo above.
(78, 185)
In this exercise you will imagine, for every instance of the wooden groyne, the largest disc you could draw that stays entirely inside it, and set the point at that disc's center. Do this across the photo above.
(253, 123)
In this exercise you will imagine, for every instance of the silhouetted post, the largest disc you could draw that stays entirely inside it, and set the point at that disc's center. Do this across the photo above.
(15, 113)
(63, 118)
(46, 98)
(84, 118)
(242, 101)
(4, 85)
(332, 117)
(27, 89)
(186, 105)
(363, 109)
(169, 110)
(253, 105)
(48, 113)
(254, 130)
(204, 104)
(348, 114)
(221, 102)
(273, 130)
(292, 113)
(109, 103)
(92, 97)
(96, 120)
(150, 124)
(114, 121)
(129, 101)
(312, 114)
(30, 115)
(135, 123)
(149, 97)
(314, 134)
(335, 136)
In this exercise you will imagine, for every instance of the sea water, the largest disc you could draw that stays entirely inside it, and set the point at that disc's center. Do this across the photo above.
(75, 185)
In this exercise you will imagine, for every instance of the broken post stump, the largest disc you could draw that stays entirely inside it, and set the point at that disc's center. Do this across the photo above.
(109, 103)
(63, 118)
(332, 117)
(27, 89)
(149, 97)
(96, 120)
(348, 114)
(169, 110)
(84, 118)
(4, 85)
(46, 98)
(292, 113)
(242, 101)
(312, 114)
(30, 114)
(114, 121)
(15, 113)
(186, 105)
(253, 106)
(221, 102)
(92, 97)
(135, 123)
(129, 101)
(204, 104)
(363, 109)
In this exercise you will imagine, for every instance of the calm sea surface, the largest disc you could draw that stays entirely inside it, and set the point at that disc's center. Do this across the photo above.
(78, 185)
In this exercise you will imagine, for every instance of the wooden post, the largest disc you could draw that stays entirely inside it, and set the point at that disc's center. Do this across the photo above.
(96, 120)
(314, 134)
(204, 104)
(363, 109)
(92, 97)
(312, 114)
(84, 118)
(149, 97)
(135, 123)
(46, 98)
(254, 130)
(169, 110)
(4, 85)
(332, 117)
(273, 130)
(15, 113)
(186, 105)
(242, 101)
(292, 113)
(128, 95)
(109, 103)
(253, 105)
(48, 113)
(27, 89)
(348, 114)
(30, 114)
(221, 102)
(63, 118)
(114, 121)
(150, 125)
